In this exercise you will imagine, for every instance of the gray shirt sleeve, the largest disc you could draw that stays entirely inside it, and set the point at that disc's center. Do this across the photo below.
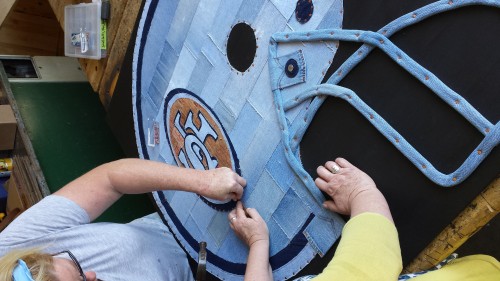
(52, 214)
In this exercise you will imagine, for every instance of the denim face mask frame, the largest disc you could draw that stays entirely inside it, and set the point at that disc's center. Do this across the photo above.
(287, 97)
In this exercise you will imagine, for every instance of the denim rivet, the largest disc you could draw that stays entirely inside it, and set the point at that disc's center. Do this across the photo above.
(384, 32)
(286, 36)
(457, 101)
(291, 68)
(399, 57)
(339, 73)
(450, 2)
(479, 151)
(423, 166)
(304, 10)
(349, 96)
(426, 77)
(487, 130)
(414, 15)
(397, 140)
(360, 53)
(381, 41)
(371, 116)
(331, 33)
(454, 179)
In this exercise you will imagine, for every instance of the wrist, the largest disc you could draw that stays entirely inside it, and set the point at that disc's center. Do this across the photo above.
(260, 242)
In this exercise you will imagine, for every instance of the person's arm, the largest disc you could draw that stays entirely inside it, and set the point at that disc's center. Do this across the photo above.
(98, 189)
(352, 191)
(369, 247)
(252, 229)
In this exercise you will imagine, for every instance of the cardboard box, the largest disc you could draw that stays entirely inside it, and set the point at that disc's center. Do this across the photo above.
(8, 127)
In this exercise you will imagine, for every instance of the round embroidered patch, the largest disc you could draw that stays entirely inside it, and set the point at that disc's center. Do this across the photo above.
(291, 68)
(304, 10)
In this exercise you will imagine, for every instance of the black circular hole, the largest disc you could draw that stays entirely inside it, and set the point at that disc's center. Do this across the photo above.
(241, 47)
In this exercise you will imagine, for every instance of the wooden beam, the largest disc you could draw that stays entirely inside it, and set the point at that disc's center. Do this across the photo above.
(477, 214)
(5, 6)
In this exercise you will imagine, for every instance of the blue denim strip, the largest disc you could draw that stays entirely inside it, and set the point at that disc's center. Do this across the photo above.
(371, 40)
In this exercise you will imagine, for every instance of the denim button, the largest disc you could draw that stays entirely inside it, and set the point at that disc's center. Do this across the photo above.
(304, 10)
(291, 68)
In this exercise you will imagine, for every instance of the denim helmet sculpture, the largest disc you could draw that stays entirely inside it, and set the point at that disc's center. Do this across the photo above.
(236, 84)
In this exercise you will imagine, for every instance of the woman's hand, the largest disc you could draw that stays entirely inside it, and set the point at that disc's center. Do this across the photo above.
(351, 190)
(248, 225)
(222, 184)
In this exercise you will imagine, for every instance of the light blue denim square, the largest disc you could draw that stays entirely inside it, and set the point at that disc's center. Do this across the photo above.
(278, 237)
(291, 213)
(277, 162)
(181, 23)
(218, 227)
(268, 189)
(219, 75)
(261, 101)
(180, 200)
(199, 76)
(233, 244)
(257, 154)
(203, 18)
(223, 23)
(320, 232)
(284, 7)
(226, 117)
(333, 17)
(201, 221)
(249, 10)
(244, 128)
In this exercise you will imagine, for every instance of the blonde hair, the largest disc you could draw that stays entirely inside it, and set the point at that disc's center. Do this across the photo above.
(40, 264)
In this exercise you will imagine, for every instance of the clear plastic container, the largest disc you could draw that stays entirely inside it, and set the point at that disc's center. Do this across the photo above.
(82, 31)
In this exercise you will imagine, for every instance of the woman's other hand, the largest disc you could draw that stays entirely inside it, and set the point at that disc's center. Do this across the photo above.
(248, 225)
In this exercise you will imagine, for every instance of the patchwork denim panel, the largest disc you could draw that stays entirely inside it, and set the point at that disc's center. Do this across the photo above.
(245, 128)
(241, 110)
(181, 23)
(199, 75)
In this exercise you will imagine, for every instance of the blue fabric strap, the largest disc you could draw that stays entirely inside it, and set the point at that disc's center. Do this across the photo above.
(21, 272)
(379, 39)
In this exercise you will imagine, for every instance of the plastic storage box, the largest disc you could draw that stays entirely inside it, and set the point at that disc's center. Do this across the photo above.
(84, 32)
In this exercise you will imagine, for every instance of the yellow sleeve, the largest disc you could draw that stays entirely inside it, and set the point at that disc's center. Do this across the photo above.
(469, 268)
(368, 250)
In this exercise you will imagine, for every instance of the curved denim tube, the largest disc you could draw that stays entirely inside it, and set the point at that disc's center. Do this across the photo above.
(372, 40)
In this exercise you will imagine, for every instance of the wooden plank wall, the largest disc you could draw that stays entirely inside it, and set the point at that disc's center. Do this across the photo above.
(31, 28)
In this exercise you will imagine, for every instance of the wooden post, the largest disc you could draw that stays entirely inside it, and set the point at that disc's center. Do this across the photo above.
(478, 213)
(5, 6)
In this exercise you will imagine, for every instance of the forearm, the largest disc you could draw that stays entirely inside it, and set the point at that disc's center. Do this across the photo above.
(258, 267)
(134, 176)
(371, 201)
(101, 187)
